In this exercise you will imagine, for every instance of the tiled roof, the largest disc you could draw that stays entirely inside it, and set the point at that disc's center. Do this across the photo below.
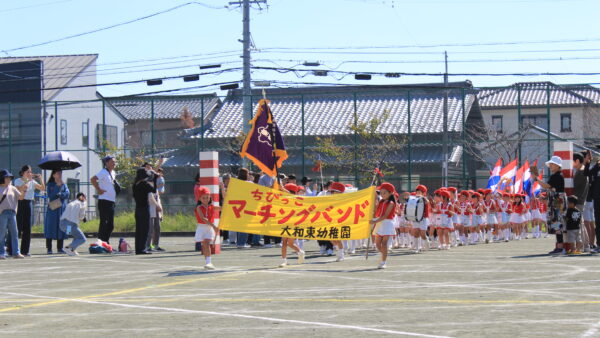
(330, 111)
(59, 70)
(165, 107)
(536, 94)
(186, 157)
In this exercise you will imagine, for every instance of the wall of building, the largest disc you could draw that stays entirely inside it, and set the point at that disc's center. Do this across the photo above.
(510, 120)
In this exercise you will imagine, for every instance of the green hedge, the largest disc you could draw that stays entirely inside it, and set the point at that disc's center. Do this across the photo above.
(125, 222)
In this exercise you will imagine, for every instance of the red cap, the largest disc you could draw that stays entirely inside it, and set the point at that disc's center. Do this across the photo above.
(387, 186)
(445, 193)
(421, 188)
(413, 193)
(452, 190)
(465, 193)
(476, 194)
(487, 191)
(338, 187)
(291, 187)
(348, 185)
(203, 191)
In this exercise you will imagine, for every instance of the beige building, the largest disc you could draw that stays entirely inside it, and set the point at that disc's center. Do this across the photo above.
(573, 111)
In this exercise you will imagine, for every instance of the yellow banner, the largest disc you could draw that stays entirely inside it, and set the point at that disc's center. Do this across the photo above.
(255, 209)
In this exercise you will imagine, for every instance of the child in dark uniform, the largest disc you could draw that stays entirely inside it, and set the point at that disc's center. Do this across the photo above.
(573, 222)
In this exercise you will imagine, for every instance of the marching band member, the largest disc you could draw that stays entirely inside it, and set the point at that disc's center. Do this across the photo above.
(464, 213)
(419, 228)
(436, 218)
(338, 188)
(517, 216)
(446, 226)
(384, 214)
(536, 216)
(505, 207)
(476, 220)
(405, 225)
(454, 235)
(206, 229)
(490, 208)
(285, 242)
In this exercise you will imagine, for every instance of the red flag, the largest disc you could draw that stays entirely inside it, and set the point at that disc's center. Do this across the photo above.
(317, 167)
(378, 172)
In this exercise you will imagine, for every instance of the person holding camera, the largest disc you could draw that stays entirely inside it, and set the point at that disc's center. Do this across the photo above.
(556, 187)
(32, 182)
(107, 188)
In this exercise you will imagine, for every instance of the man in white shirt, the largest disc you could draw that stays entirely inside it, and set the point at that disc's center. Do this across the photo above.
(104, 183)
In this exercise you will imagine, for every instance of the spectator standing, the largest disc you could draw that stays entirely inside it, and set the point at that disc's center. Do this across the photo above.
(156, 212)
(10, 196)
(160, 181)
(32, 182)
(556, 186)
(311, 189)
(105, 185)
(141, 188)
(581, 187)
(58, 196)
(242, 238)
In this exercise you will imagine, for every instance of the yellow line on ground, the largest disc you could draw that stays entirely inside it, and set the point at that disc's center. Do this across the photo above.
(126, 291)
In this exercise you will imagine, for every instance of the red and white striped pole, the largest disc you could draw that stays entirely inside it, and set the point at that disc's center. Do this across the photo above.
(209, 178)
(564, 150)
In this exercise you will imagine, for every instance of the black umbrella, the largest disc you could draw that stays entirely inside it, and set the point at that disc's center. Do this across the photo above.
(59, 160)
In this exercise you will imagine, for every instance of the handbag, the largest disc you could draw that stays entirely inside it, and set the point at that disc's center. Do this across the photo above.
(116, 184)
(55, 204)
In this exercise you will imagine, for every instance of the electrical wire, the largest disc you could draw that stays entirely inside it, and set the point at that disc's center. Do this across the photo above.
(110, 27)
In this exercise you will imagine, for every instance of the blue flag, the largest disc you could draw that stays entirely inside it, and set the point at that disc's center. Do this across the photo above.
(264, 144)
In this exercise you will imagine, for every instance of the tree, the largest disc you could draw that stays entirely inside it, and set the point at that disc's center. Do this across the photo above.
(127, 164)
(372, 149)
(483, 143)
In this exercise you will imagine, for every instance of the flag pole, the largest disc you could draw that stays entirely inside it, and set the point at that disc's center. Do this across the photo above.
(321, 173)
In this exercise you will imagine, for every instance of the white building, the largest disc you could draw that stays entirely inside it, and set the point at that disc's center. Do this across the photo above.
(50, 103)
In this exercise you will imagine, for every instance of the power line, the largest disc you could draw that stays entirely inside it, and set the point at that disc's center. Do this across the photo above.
(34, 6)
(111, 26)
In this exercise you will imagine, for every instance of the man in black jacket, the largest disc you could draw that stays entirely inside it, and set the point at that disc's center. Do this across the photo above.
(593, 174)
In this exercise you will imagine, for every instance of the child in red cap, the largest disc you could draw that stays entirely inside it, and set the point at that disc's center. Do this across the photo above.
(384, 215)
(206, 230)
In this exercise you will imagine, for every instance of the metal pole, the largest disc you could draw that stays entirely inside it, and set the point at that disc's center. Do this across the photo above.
(409, 143)
(55, 125)
(548, 119)
(10, 136)
(519, 122)
(303, 145)
(463, 136)
(44, 127)
(355, 141)
(247, 90)
(445, 123)
(201, 124)
(89, 200)
(103, 126)
(152, 126)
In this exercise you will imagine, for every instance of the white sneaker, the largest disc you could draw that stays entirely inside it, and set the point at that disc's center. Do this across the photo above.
(353, 251)
(301, 256)
(339, 258)
(381, 265)
(209, 266)
(70, 252)
(283, 264)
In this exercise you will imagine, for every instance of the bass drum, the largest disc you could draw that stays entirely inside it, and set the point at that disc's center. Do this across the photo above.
(414, 209)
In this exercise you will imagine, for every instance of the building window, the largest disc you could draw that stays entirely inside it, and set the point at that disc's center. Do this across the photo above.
(4, 130)
(565, 123)
(63, 131)
(112, 136)
(85, 134)
(535, 120)
(497, 123)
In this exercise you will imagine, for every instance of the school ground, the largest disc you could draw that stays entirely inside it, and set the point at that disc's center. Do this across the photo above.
(494, 290)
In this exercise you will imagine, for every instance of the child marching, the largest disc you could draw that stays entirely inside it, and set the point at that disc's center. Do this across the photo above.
(285, 242)
(206, 230)
(384, 215)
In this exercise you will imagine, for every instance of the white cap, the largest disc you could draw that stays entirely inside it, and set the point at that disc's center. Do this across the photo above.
(555, 160)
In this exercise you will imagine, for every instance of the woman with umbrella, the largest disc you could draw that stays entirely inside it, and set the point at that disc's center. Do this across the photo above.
(58, 196)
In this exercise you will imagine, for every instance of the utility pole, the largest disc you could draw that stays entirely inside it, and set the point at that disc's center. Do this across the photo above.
(246, 45)
(445, 124)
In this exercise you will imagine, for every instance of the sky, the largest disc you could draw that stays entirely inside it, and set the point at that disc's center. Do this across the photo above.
(348, 36)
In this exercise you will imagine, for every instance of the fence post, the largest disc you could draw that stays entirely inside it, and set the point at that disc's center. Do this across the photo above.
(409, 142)
(9, 136)
(463, 136)
(355, 165)
(55, 125)
(519, 122)
(152, 126)
(201, 124)
(103, 126)
(303, 145)
(549, 153)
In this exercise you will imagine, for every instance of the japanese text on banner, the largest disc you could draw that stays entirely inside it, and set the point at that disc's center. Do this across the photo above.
(260, 210)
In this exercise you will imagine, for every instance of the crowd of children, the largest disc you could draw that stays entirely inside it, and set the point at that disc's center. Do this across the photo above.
(450, 218)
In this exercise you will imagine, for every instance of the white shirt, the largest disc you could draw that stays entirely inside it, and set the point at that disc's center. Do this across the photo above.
(74, 212)
(30, 192)
(105, 182)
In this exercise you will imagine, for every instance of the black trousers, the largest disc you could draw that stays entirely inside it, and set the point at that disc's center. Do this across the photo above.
(328, 245)
(23, 227)
(597, 218)
(59, 244)
(268, 239)
(142, 225)
(106, 213)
